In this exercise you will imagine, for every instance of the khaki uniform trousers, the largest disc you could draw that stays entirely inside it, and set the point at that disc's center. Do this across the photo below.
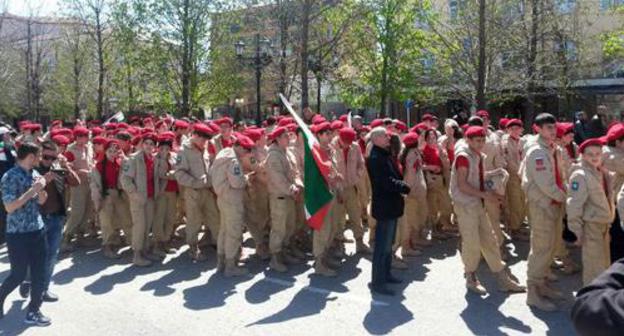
(439, 201)
(231, 231)
(561, 251)
(351, 207)
(516, 203)
(493, 211)
(165, 217)
(478, 238)
(283, 218)
(321, 241)
(115, 214)
(596, 250)
(81, 208)
(544, 231)
(258, 215)
(201, 209)
(142, 212)
(413, 221)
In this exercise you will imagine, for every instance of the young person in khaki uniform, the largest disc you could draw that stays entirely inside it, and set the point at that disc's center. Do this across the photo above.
(140, 181)
(284, 188)
(590, 209)
(225, 138)
(350, 164)
(414, 220)
(516, 201)
(544, 188)
(166, 195)
(231, 172)
(80, 155)
(468, 191)
(111, 203)
(193, 173)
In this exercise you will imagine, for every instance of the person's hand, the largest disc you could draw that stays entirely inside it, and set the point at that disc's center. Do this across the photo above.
(49, 176)
(62, 160)
(436, 169)
(42, 196)
(39, 184)
(251, 176)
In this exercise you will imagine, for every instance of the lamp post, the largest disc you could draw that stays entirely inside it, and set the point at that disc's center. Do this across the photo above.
(260, 59)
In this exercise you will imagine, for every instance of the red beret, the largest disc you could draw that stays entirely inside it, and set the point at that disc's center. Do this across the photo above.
(475, 131)
(292, 128)
(347, 134)
(317, 119)
(285, 121)
(254, 133)
(99, 140)
(514, 122)
(483, 114)
(277, 132)
(336, 125)
(61, 140)
(33, 127)
(421, 127)
(97, 131)
(147, 120)
(344, 118)
(147, 130)
(590, 143)
(111, 126)
(564, 128)
(615, 132)
(133, 130)
(324, 126)
(180, 124)
(150, 136)
(410, 139)
(122, 125)
(135, 140)
(376, 123)
(203, 129)
(244, 141)
(503, 123)
(57, 123)
(400, 126)
(166, 137)
(224, 120)
(159, 123)
(365, 129)
(80, 131)
(427, 117)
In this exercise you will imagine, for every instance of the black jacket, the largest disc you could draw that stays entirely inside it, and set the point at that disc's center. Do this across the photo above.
(599, 307)
(387, 185)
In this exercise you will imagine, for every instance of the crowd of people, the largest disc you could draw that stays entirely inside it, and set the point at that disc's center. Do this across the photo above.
(152, 182)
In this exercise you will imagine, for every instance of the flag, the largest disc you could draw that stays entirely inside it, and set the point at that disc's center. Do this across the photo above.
(117, 117)
(316, 196)
(349, 122)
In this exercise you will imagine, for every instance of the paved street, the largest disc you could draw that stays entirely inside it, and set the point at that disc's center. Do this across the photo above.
(177, 297)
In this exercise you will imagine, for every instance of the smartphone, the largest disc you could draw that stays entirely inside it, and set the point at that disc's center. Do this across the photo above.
(59, 172)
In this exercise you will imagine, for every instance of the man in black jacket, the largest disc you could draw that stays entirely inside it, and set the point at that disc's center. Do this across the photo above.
(599, 307)
(387, 206)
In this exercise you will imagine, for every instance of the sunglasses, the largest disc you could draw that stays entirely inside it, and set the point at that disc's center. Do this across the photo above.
(48, 157)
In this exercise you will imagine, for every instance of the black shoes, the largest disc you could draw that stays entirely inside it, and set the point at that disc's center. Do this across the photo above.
(380, 289)
(49, 297)
(392, 280)
(24, 289)
(37, 318)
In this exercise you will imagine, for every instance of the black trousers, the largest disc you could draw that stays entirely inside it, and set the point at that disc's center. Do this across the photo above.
(26, 250)
(617, 239)
(382, 253)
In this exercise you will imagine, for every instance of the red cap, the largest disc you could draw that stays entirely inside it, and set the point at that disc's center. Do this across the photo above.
(244, 141)
(376, 123)
(410, 139)
(483, 114)
(133, 130)
(564, 128)
(61, 140)
(97, 131)
(181, 124)
(475, 131)
(80, 131)
(99, 140)
(285, 121)
(336, 125)
(32, 127)
(148, 120)
(590, 143)
(292, 128)
(344, 118)
(254, 133)
(277, 132)
(503, 123)
(57, 123)
(224, 121)
(616, 132)
(110, 126)
(150, 136)
(419, 128)
(514, 122)
(159, 123)
(324, 126)
(401, 126)
(203, 129)
(317, 119)
(122, 125)
(166, 137)
(427, 117)
(347, 135)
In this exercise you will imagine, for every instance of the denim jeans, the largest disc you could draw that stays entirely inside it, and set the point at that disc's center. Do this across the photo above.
(382, 254)
(54, 231)
(26, 251)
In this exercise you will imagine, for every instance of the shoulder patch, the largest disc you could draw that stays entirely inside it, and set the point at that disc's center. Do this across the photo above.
(489, 185)
(574, 186)
(539, 163)
(126, 166)
(178, 159)
(237, 169)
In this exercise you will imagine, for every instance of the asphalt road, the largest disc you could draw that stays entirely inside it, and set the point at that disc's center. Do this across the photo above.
(178, 297)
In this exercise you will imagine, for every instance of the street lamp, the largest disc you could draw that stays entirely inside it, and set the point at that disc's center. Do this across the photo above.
(260, 59)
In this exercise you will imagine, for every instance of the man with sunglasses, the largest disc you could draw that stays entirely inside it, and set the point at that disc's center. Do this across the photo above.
(140, 182)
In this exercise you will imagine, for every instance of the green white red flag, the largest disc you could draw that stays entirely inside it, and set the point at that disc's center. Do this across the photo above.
(316, 196)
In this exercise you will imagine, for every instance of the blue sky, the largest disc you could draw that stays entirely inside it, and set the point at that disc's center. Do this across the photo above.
(42, 7)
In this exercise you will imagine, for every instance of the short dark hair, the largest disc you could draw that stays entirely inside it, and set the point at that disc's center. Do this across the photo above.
(475, 121)
(27, 148)
(49, 145)
(545, 118)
